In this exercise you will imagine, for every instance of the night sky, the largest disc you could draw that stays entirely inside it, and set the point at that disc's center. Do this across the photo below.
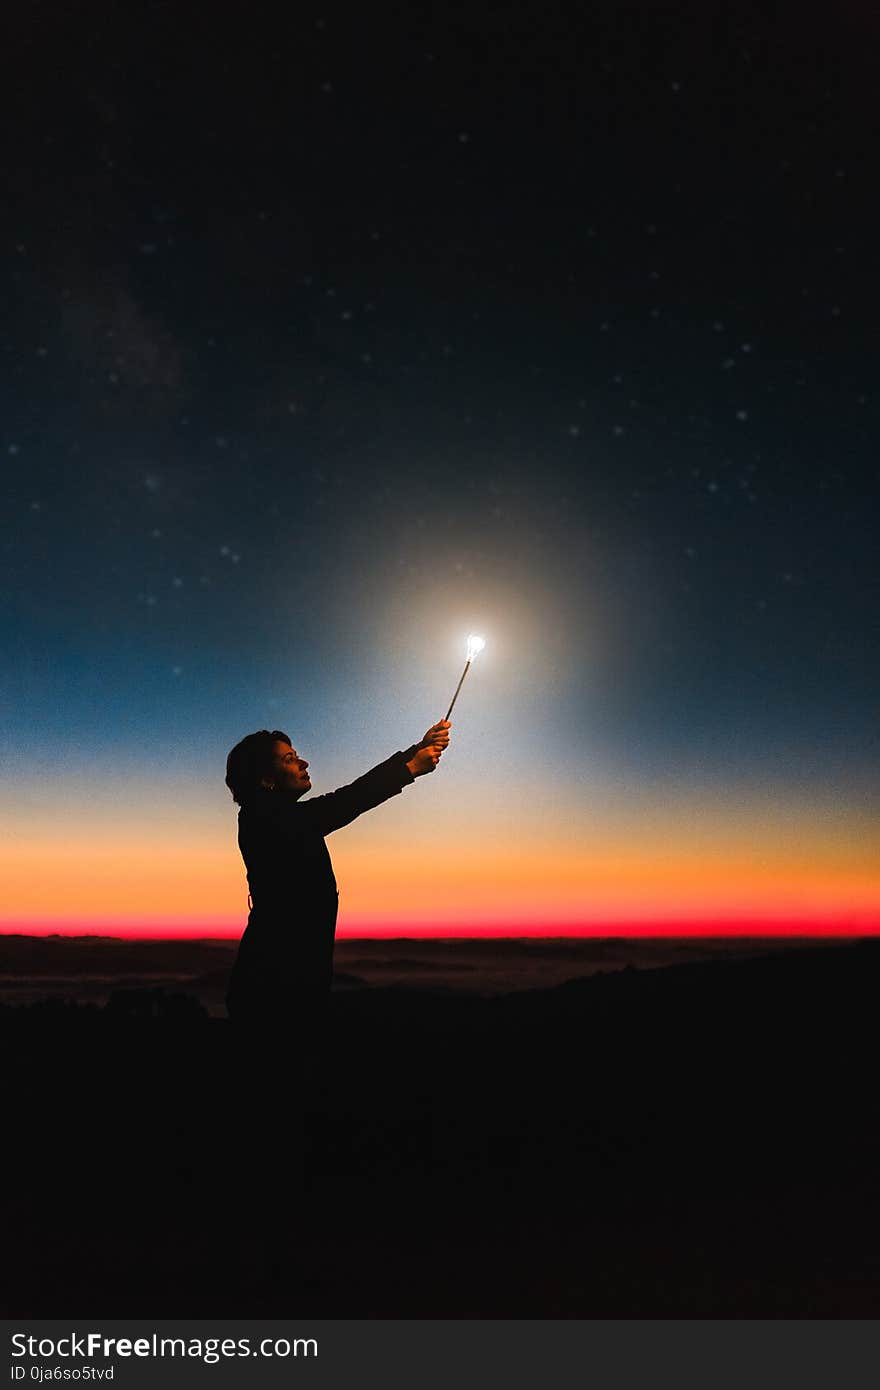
(332, 338)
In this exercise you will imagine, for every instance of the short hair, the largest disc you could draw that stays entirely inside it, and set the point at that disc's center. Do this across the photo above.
(250, 760)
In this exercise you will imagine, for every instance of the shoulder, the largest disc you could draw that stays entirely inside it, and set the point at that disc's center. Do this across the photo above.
(260, 808)
(265, 810)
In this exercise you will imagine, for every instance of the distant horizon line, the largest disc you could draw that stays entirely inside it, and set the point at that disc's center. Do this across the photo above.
(855, 925)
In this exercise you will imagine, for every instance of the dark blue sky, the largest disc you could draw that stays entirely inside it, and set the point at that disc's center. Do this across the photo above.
(330, 337)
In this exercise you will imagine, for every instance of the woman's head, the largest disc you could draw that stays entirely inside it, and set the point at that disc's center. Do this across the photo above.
(267, 761)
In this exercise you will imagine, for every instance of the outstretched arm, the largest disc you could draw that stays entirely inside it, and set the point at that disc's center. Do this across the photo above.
(324, 814)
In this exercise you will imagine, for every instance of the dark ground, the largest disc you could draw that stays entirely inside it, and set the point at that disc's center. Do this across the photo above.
(698, 1141)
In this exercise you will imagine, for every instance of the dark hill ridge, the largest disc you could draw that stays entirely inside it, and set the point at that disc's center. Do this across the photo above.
(86, 967)
(784, 981)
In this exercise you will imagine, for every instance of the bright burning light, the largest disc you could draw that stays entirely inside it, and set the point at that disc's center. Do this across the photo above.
(474, 644)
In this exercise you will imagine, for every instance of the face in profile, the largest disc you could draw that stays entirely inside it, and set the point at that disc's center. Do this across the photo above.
(288, 770)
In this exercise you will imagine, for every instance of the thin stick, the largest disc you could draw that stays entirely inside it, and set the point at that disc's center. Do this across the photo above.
(458, 687)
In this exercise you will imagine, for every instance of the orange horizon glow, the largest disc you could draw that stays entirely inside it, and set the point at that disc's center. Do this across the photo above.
(671, 870)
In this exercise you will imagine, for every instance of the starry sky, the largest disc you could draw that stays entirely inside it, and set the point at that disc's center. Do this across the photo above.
(333, 338)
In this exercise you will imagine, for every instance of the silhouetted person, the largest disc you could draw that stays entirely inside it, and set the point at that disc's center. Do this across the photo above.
(284, 968)
(281, 980)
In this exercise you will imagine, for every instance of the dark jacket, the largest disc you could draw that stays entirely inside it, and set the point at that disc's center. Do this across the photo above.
(285, 958)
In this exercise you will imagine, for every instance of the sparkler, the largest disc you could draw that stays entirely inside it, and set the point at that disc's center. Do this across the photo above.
(474, 645)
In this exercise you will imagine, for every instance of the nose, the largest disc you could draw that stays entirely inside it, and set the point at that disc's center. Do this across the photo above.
(302, 765)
